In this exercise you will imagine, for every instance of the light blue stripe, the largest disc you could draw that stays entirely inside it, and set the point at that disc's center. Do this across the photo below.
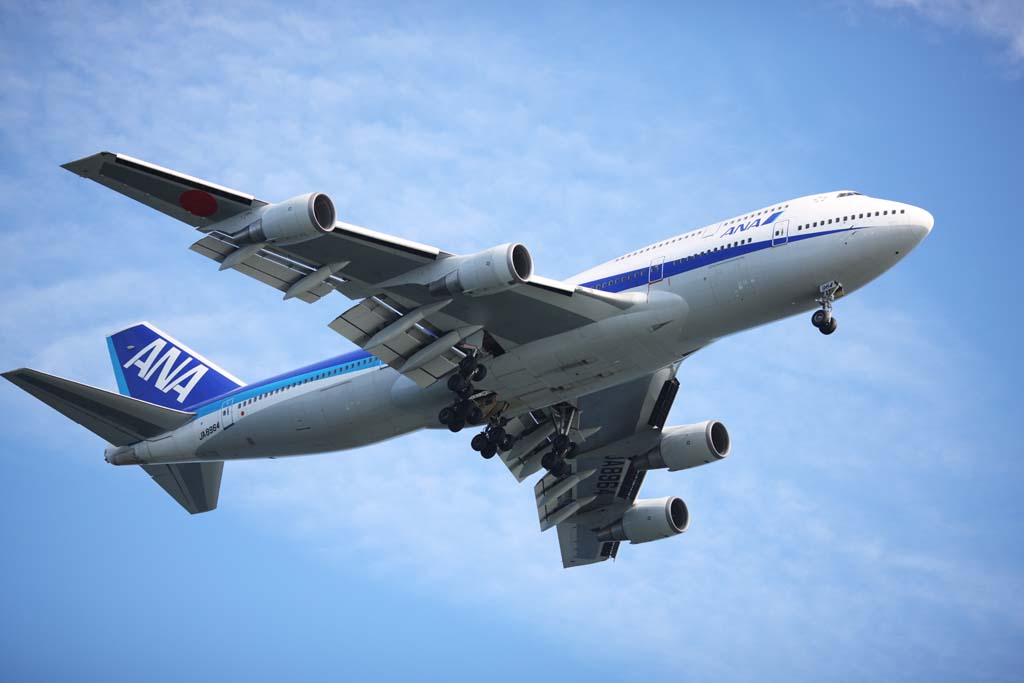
(247, 392)
(122, 385)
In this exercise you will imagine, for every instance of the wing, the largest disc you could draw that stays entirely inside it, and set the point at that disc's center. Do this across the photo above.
(397, 318)
(612, 427)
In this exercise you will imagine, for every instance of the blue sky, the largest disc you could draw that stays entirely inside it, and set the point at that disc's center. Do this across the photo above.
(867, 525)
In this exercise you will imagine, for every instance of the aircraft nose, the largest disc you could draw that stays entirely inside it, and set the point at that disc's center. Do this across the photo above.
(920, 223)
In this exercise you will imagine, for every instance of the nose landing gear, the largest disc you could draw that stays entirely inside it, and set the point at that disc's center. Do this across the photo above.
(822, 318)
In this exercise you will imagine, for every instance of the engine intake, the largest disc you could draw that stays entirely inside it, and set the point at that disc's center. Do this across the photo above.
(487, 272)
(688, 446)
(649, 520)
(296, 220)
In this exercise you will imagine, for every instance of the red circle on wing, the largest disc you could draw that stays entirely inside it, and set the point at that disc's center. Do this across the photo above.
(198, 203)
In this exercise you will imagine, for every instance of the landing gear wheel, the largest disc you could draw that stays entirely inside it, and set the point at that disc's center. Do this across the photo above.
(818, 318)
(571, 452)
(479, 373)
(457, 383)
(467, 366)
(480, 442)
(457, 425)
(506, 443)
(549, 460)
(561, 443)
(489, 451)
(461, 409)
(474, 415)
(446, 415)
(830, 327)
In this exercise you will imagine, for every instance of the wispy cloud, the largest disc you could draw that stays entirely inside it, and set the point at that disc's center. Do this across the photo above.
(1002, 20)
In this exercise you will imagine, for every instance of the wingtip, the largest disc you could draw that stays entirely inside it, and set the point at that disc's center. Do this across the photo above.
(11, 374)
(78, 166)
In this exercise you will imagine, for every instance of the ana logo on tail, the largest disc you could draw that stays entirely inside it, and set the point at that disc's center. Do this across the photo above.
(154, 360)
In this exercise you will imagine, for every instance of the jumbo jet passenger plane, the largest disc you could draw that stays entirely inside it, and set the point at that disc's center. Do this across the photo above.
(575, 377)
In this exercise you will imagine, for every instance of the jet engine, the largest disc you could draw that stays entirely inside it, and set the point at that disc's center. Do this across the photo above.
(649, 520)
(487, 272)
(688, 446)
(296, 220)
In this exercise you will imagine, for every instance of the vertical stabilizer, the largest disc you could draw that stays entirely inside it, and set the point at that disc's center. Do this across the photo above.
(153, 366)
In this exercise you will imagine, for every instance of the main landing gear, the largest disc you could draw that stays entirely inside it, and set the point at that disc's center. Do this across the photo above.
(464, 411)
(493, 439)
(822, 318)
(562, 446)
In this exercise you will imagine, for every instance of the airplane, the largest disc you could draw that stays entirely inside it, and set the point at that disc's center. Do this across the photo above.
(573, 378)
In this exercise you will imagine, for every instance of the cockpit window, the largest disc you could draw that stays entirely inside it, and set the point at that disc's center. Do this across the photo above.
(847, 194)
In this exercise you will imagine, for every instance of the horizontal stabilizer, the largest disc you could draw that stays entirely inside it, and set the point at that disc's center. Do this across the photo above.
(196, 486)
(120, 420)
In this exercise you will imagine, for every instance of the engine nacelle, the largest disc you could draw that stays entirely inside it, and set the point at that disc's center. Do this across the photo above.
(296, 220)
(688, 446)
(649, 520)
(493, 270)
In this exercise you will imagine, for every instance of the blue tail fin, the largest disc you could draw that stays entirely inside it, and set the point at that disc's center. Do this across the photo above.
(155, 367)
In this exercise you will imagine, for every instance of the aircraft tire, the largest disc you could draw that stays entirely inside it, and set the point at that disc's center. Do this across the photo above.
(457, 383)
(467, 366)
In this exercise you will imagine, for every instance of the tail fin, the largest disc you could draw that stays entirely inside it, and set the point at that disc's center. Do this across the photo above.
(155, 367)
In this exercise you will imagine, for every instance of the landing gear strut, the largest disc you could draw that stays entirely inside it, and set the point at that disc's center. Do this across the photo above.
(822, 318)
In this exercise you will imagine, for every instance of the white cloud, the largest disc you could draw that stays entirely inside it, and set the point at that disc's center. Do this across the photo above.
(1002, 20)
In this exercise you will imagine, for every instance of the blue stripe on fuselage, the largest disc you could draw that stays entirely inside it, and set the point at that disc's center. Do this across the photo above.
(640, 277)
(338, 365)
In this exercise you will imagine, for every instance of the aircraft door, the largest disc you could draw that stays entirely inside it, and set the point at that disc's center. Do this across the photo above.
(780, 232)
(227, 413)
(657, 270)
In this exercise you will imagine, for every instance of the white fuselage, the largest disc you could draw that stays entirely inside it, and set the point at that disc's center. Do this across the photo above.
(693, 288)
